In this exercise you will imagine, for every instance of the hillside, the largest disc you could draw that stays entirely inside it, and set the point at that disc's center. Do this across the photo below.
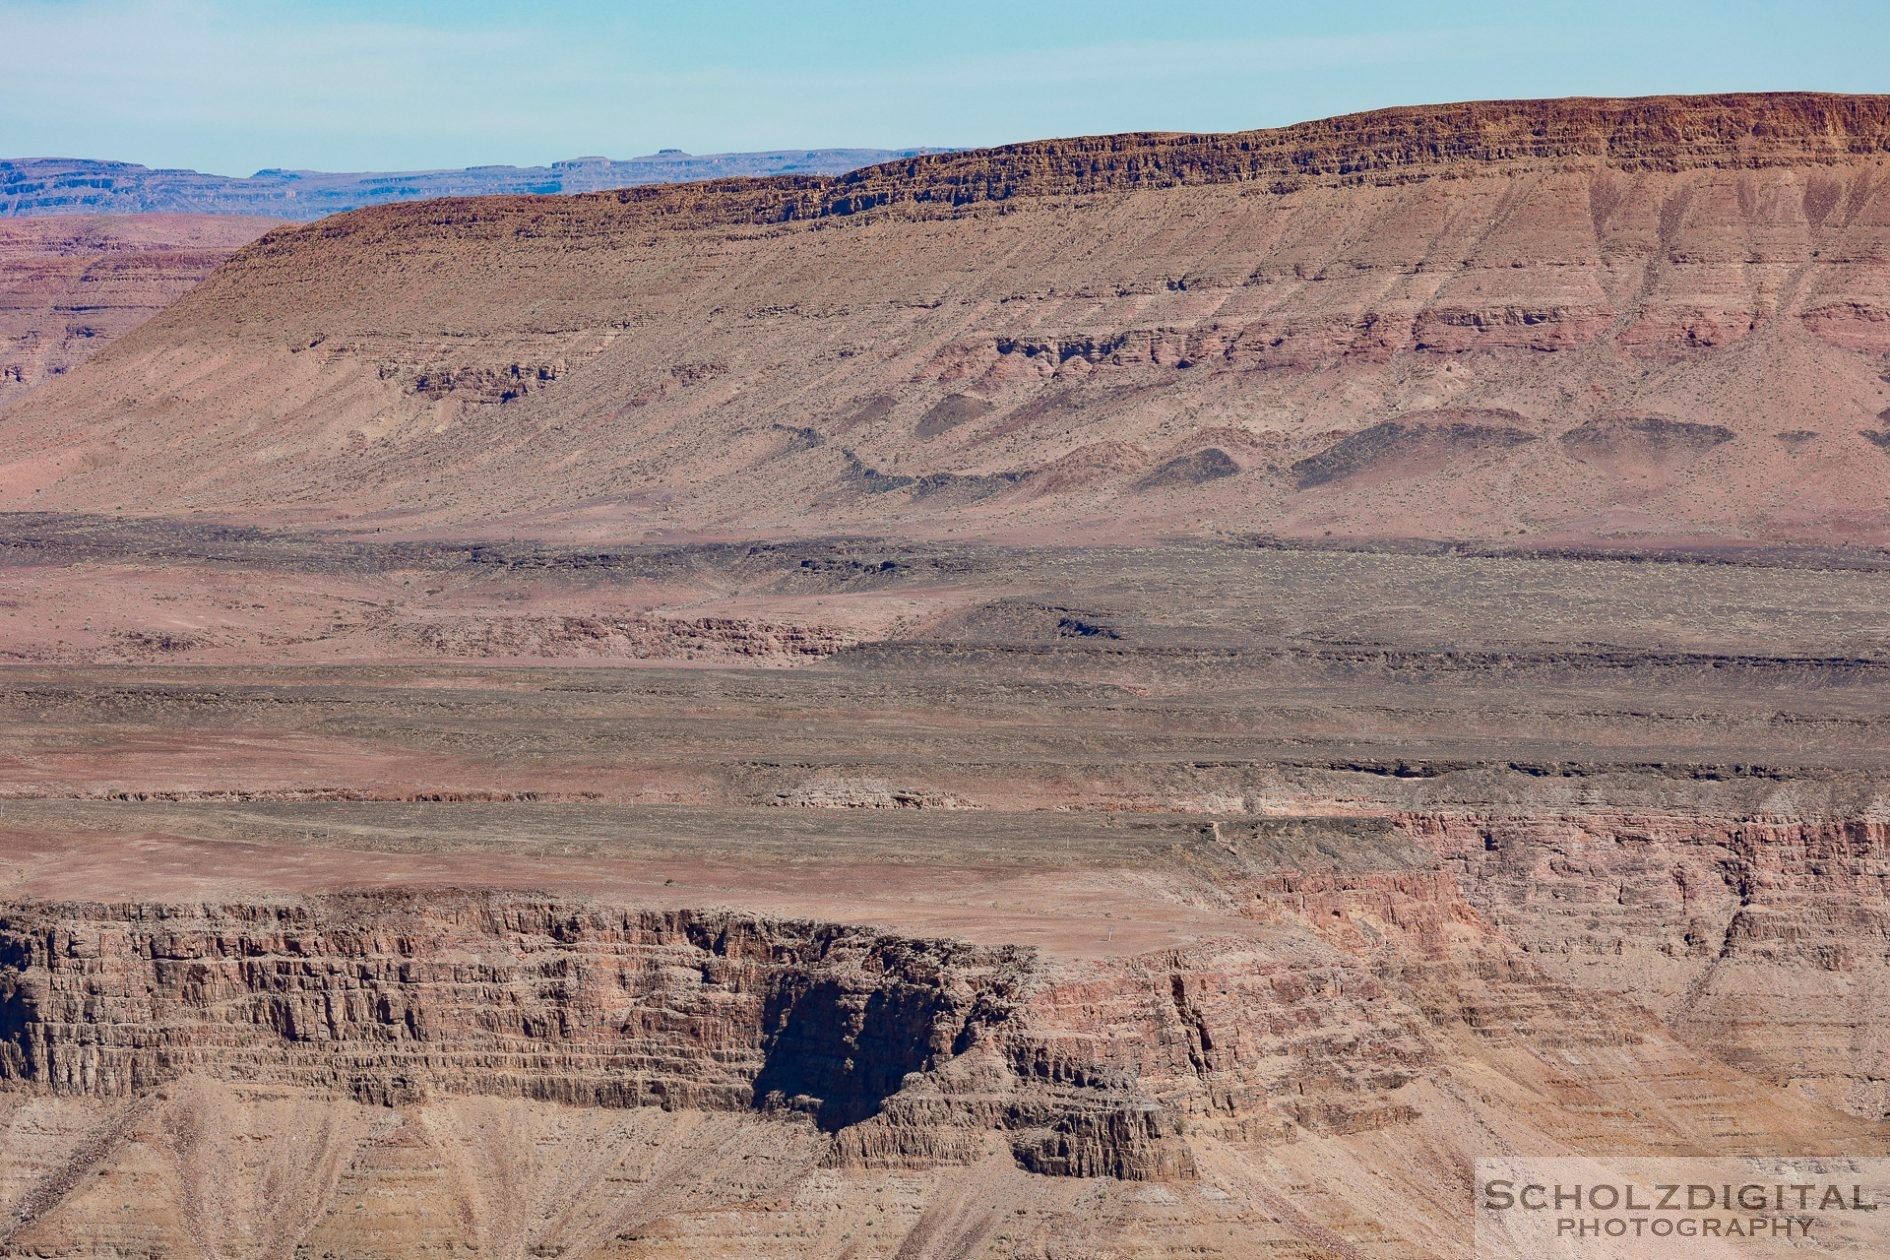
(1643, 321)
(40, 186)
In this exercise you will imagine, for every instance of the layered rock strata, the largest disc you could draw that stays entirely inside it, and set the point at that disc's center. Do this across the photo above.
(1653, 321)
(70, 286)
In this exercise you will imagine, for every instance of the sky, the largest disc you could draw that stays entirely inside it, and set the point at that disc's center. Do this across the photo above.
(231, 86)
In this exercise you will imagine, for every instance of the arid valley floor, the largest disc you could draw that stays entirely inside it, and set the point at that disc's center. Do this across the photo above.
(1180, 759)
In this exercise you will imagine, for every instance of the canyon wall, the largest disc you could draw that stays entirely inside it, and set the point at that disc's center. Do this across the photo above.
(68, 287)
(1764, 941)
(383, 1072)
(1760, 945)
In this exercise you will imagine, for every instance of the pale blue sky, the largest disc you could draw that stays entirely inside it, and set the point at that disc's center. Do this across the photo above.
(233, 85)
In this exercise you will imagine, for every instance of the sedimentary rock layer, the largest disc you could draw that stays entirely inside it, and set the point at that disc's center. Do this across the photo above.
(69, 286)
(1658, 321)
(1441, 982)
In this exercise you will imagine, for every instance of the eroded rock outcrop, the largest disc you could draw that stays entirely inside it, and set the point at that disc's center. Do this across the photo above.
(909, 1052)
(1435, 982)
(394, 999)
(1765, 941)
(389, 998)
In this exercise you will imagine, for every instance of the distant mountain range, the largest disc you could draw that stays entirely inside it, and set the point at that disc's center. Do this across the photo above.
(34, 186)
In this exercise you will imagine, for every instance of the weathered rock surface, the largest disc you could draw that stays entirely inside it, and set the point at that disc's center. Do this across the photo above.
(1765, 940)
(1428, 991)
(1577, 321)
(390, 999)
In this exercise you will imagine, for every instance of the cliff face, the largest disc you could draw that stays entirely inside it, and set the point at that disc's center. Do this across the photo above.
(1761, 946)
(390, 999)
(1583, 321)
(1655, 133)
(504, 1073)
(909, 1052)
(1765, 942)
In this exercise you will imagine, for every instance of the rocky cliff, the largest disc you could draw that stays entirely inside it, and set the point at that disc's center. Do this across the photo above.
(1760, 944)
(1741, 130)
(1655, 322)
(673, 1081)
(907, 1051)
(1764, 941)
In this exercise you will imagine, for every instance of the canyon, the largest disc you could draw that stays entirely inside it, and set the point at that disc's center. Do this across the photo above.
(69, 286)
(1124, 697)
(990, 901)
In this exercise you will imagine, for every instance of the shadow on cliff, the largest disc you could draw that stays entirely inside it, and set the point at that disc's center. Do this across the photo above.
(839, 1054)
(17, 1010)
